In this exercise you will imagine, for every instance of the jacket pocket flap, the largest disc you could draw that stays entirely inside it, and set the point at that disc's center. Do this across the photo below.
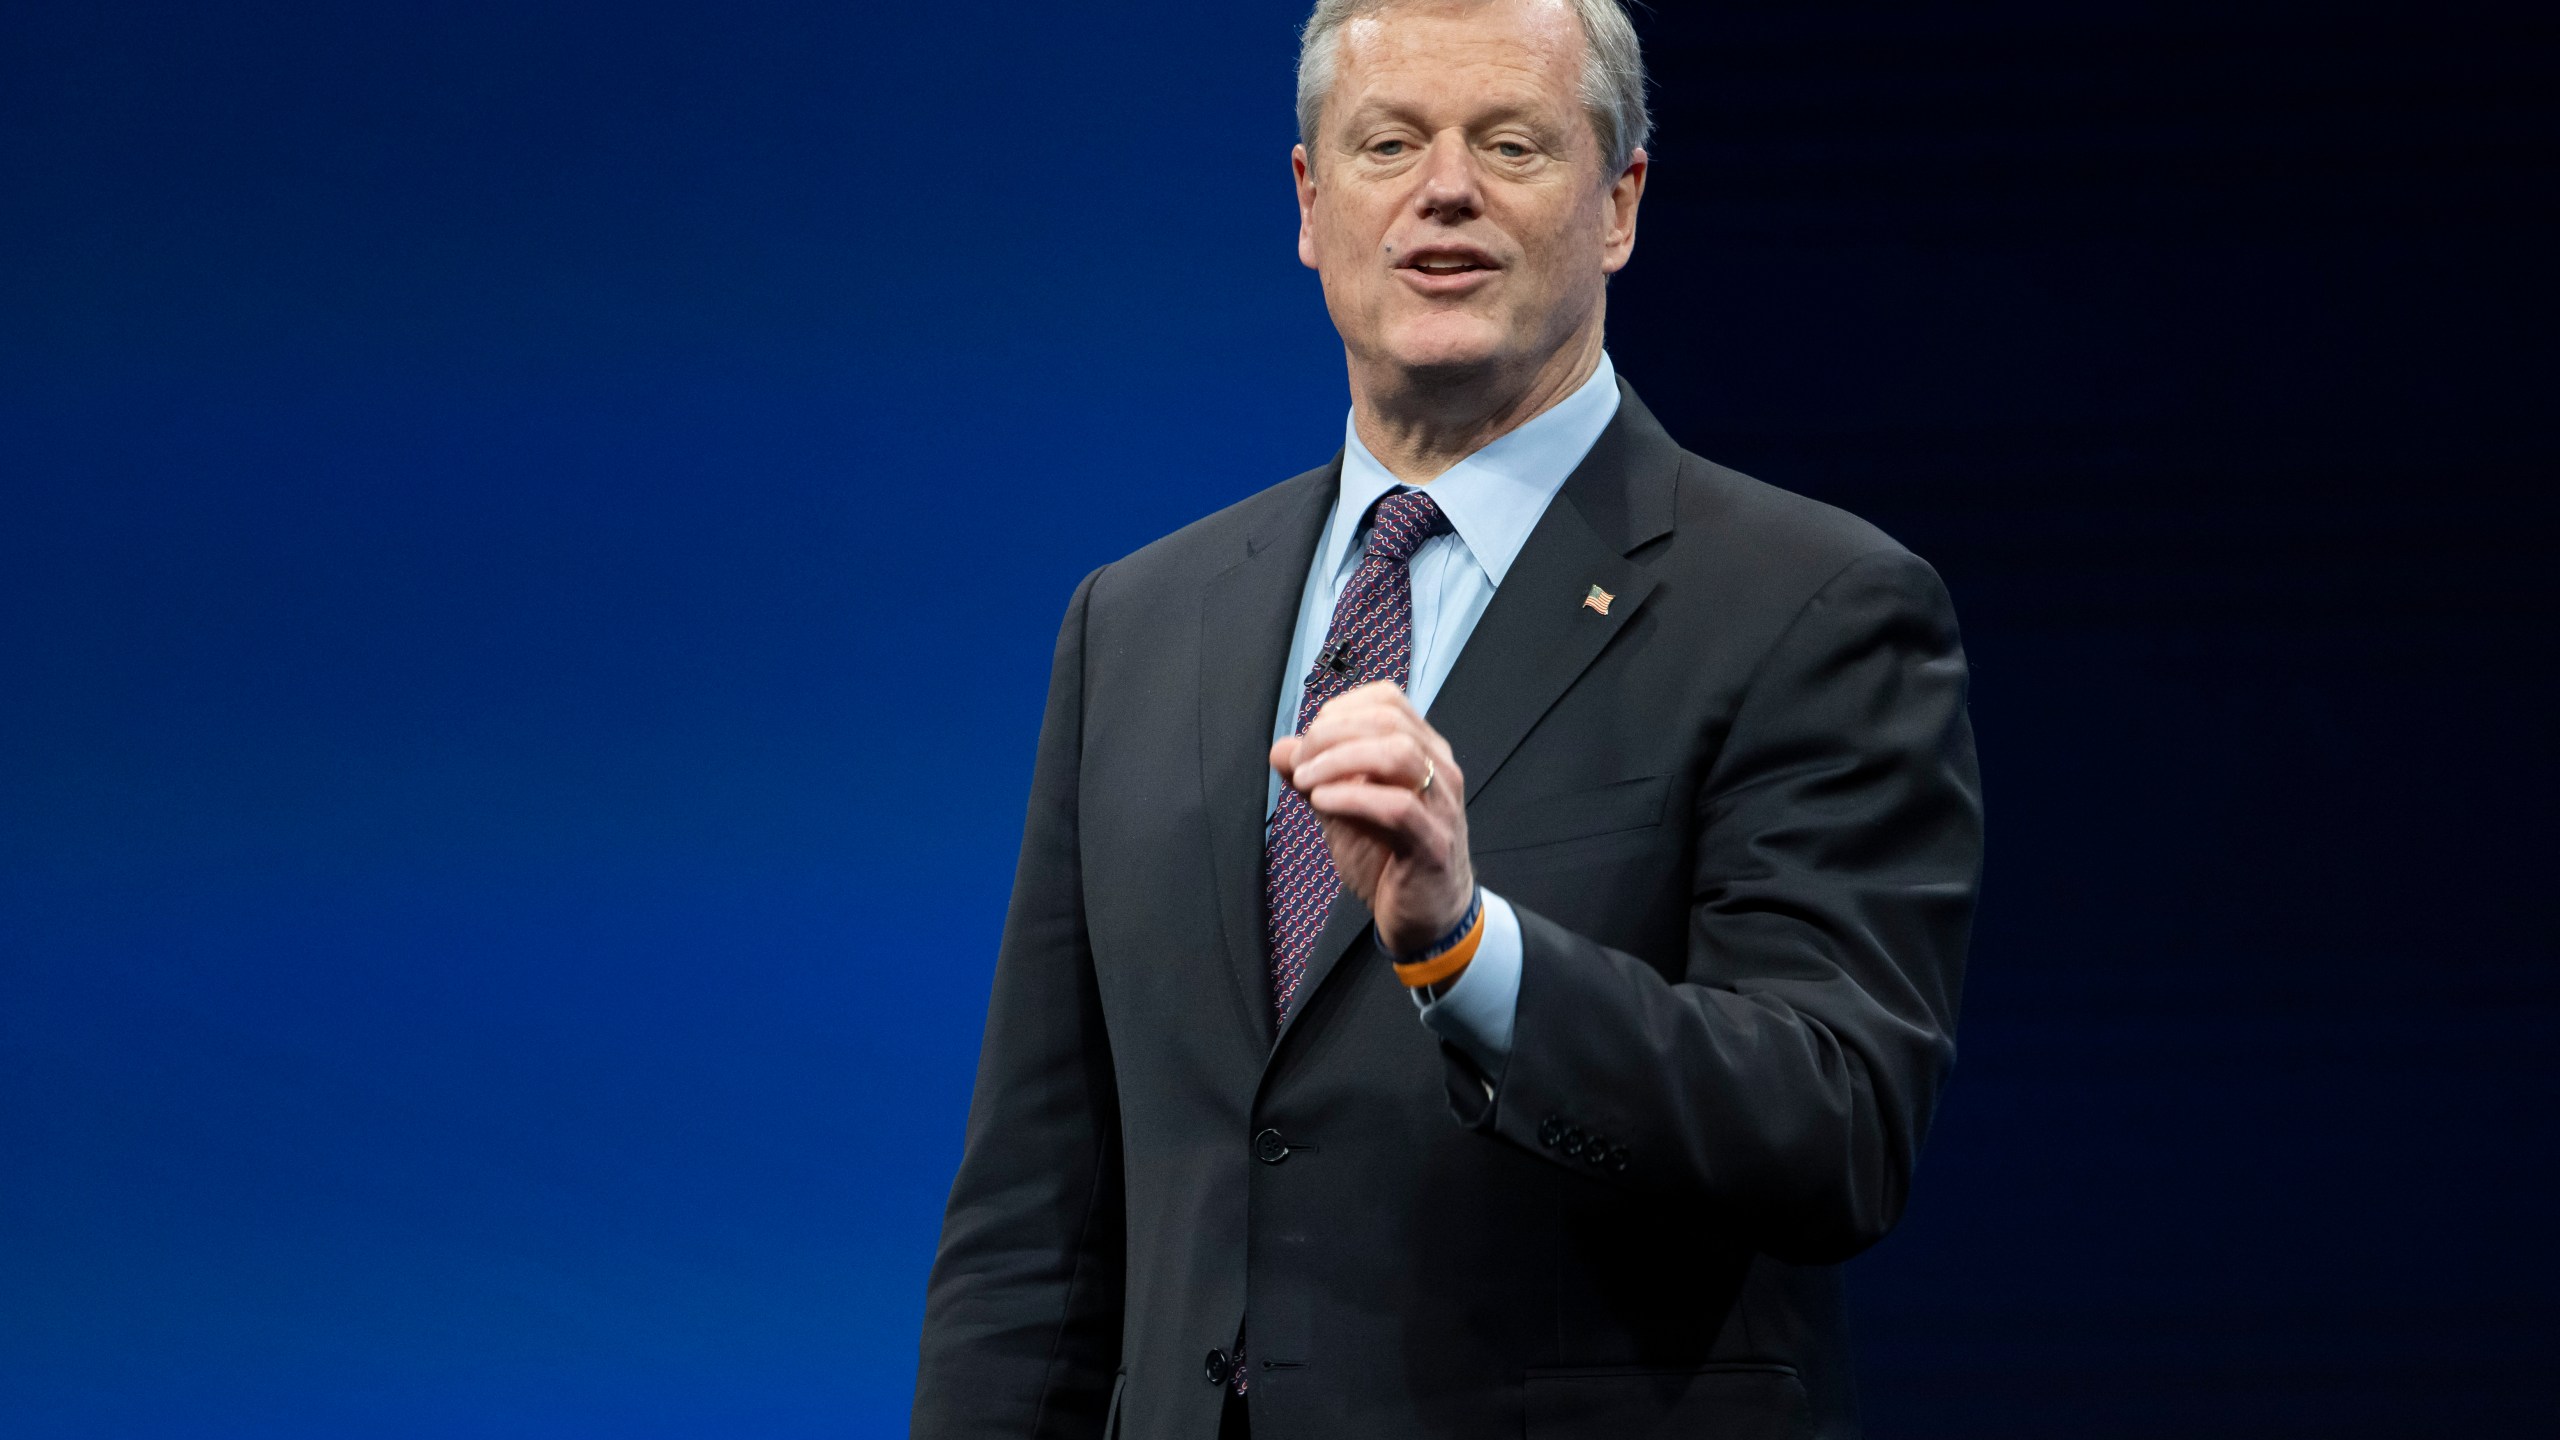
(1743, 1401)
(1574, 815)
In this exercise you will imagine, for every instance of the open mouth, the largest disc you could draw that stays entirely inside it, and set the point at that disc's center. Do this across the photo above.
(1448, 264)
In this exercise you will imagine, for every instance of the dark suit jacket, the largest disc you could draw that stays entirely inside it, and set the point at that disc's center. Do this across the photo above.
(1739, 818)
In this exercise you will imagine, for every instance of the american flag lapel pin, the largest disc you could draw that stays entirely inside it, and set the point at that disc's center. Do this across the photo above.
(1598, 600)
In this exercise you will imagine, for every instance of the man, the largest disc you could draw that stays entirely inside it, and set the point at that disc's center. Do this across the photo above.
(1488, 929)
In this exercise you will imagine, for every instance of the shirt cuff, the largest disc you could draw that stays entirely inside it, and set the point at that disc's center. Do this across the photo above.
(1476, 1011)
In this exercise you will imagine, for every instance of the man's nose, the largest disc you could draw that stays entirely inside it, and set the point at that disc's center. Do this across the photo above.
(1450, 189)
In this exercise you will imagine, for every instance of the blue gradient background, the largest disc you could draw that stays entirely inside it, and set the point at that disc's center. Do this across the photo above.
(530, 536)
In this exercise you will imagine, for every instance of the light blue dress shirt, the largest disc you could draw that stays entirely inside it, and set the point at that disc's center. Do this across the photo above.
(1493, 499)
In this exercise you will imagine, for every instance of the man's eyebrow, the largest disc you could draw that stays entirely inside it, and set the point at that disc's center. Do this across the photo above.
(1369, 112)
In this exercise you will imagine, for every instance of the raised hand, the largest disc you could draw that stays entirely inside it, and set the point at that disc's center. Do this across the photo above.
(1393, 805)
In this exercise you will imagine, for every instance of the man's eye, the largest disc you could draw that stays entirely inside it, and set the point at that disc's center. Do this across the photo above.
(1389, 147)
(1511, 150)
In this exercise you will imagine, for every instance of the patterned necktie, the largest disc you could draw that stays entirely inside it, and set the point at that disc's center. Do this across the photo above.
(1371, 638)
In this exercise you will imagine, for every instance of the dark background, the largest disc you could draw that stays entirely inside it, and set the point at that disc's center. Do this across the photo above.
(530, 535)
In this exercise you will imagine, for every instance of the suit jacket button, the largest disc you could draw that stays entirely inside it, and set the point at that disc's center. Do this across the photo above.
(1574, 1140)
(1217, 1367)
(1617, 1158)
(1551, 1132)
(1269, 1148)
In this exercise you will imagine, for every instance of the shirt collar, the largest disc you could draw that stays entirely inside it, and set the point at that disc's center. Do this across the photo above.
(1494, 497)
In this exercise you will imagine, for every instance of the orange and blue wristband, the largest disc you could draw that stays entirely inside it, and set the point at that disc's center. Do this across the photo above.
(1445, 959)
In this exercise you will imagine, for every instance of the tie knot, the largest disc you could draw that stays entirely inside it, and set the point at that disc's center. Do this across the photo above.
(1401, 523)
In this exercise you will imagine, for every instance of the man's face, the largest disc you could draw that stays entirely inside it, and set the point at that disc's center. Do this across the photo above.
(1455, 202)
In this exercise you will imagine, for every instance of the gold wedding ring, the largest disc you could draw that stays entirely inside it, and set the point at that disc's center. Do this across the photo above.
(1430, 772)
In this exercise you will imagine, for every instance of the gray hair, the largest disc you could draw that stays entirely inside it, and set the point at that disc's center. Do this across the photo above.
(1612, 72)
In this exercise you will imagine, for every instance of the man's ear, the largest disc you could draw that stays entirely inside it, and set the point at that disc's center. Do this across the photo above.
(1618, 241)
(1304, 171)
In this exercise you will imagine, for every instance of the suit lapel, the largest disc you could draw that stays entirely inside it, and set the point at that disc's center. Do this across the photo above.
(1544, 627)
(1247, 618)
(1538, 635)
